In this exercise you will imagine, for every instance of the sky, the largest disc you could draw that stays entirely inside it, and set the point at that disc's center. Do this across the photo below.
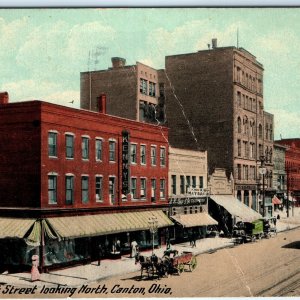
(43, 50)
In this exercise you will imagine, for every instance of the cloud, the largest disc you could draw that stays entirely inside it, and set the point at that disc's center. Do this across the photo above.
(47, 91)
(286, 123)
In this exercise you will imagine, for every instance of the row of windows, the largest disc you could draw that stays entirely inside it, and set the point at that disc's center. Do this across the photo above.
(85, 150)
(98, 188)
(147, 88)
(245, 172)
(186, 182)
(142, 194)
(247, 102)
(269, 132)
(143, 155)
(190, 209)
(248, 149)
(249, 81)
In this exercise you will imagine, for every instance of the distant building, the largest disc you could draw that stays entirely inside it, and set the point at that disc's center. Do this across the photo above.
(132, 92)
(71, 179)
(292, 168)
(279, 173)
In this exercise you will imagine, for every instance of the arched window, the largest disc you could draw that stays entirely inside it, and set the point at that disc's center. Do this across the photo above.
(260, 131)
(239, 124)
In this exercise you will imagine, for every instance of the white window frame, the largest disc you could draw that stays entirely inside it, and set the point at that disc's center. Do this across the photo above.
(112, 142)
(69, 134)
(73, 188)
(133, 154)
(162, 190)
(84, 150)
(98, 139)
(53, 175)
(143, 146)
(162, 159)
(134, 195)
(143, 197)
(100, 199)
(86, 190)
(56, 138)
(153, 163)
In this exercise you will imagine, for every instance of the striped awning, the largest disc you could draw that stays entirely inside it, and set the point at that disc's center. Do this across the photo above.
(193, 220)
(276, 201)
(14, 227)
(236, 208)
(100, 224)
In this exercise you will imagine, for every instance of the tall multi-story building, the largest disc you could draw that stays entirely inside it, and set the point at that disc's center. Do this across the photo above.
(71, 179)
(211, 100)
(279, 173)
(132, 92)
(214, 101)
(292, 168)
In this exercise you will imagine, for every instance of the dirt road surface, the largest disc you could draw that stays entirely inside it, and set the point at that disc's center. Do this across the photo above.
(269, 267)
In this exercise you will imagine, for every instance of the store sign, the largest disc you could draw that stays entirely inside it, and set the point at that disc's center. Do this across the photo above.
(125, 162)
(245, 187)
(187, 201)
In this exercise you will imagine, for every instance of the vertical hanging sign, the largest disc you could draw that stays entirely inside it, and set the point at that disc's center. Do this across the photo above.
(125, 162)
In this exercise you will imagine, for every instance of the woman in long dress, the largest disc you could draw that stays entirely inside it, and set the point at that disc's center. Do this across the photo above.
(35, 274)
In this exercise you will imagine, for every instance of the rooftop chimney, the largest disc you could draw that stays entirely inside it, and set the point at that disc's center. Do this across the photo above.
(4, 98)
(118, 62)
(102, 103)
(214, 43)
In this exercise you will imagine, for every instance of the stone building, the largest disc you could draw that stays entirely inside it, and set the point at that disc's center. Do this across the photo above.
(132, 92)
(214, 101)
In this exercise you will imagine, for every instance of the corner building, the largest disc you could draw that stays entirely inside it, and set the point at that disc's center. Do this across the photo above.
(81, 178)
(214, 102)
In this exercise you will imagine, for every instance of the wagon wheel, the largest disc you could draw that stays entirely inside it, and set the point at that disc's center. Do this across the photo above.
(180, 268)
(193, 263)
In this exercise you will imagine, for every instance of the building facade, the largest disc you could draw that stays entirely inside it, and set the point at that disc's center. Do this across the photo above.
(81, 178)
(188, 193)
(279, 176)
(132, 92)
(292, 169)
(214, 101)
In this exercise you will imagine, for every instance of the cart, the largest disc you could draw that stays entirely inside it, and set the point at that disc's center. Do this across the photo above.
(178, 264)
(248, 232)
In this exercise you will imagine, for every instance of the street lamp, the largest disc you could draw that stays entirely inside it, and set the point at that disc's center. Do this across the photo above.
(153, 226)
(262, 170)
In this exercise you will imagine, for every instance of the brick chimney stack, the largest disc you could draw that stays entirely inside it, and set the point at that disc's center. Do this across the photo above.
(118, 62)
(4, 98)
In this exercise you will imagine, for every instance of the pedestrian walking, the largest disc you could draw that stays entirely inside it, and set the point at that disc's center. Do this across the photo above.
(100, 254)
(134, 246)
(193, 240)
(35, 274)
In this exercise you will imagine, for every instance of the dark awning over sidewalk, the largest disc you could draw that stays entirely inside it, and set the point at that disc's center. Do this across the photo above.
(236, 208)
(101, 224)
(193, 220)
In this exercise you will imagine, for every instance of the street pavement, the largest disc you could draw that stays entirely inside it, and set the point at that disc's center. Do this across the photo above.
(84, 274)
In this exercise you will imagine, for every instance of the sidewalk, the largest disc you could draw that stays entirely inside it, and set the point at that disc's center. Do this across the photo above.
(83, 274)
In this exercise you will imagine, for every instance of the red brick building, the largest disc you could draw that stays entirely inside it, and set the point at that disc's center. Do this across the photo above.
(292, 167)
(76, 174)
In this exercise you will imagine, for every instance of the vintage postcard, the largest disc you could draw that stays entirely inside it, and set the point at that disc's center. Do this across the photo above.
(149, 152)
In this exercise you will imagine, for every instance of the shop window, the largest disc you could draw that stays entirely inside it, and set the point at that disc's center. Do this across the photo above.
(153, 156)
(85, 148)
(99, 184)
(85, 189)
(143, 154)
(153, 190)
(69, 189)
(69, 146)
(133, 188)
(162, 188)
(98, 148)
(133, 148)
(143, 188)
(52, 189)
(52, 144)
(112, 151)
(162, 157)
(173, 184)
(182, 185)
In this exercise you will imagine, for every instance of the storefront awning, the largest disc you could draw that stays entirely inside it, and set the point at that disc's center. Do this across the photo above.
(192, 220)
(236, 208)
(100, 224)
(276, 201)
(14, 227)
